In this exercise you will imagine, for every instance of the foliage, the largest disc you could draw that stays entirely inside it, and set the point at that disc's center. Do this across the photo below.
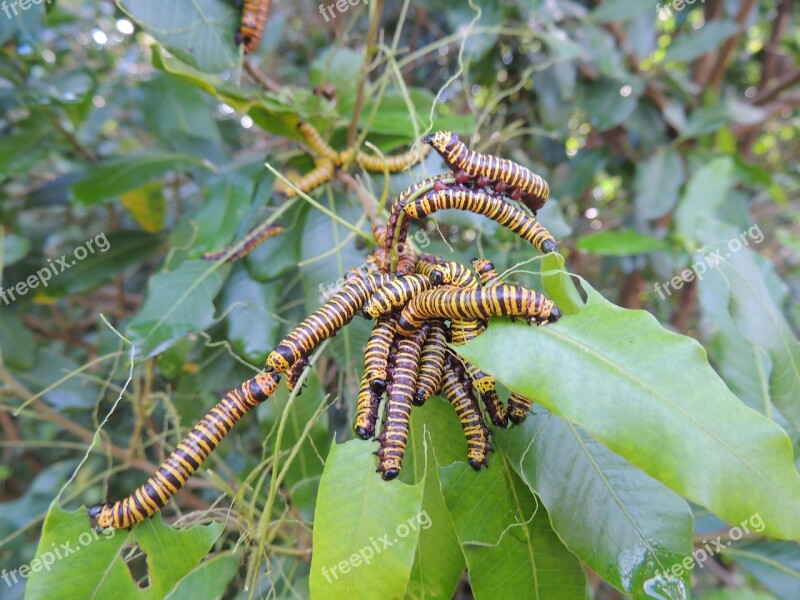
(135, 138)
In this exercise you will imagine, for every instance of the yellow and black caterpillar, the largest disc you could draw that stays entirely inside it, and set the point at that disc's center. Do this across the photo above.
(507, 177)
(254, 20)
(188, 456)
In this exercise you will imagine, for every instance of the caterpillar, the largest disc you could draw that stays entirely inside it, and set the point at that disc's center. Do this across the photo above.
(436, 182)
(380, 256)
(486, 386)
(391, 164)
(406, 260)
(470, 417)
(257, 236)
(318, 176)
(518, 407)
(395, 294)
(376, 357)
(507, 177)
(316, 143)
(431, 362)
(480, 303)
(485, 270)
(366, 409)
(394, 435)
(295, 372)
(455, 274)
(187, 457)
(326, 321)
(251, 27)
(482, 203)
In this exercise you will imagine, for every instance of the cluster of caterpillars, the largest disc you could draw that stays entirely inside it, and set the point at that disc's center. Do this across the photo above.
(424, 307)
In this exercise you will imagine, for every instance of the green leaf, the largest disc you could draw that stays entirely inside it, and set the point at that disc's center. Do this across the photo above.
(705, 120)
(650, 396)
(147, 206)
(757, 316)
(129, 173)
(692, 44)
(95, 569)
(252, 325)
(639, 527)
(438, 562)
(178, 302)
(658, 179)
(506, 536)
(775, 564)
(705, 191)
(199, 32)
(208, 580)
(364, 539)
(620, 243)
(17, 345)
(14, 248)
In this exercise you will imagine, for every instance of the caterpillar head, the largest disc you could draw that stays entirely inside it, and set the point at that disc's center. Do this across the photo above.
(441, 140)
(103, 515)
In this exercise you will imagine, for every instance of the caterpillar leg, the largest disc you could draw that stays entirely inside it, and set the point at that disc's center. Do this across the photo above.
(187, 457)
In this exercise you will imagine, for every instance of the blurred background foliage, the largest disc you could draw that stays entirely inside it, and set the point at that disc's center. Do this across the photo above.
(664, 132)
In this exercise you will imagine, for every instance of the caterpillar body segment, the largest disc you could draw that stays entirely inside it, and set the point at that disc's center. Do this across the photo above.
(454, 274)
(486, 386)
(395, 294)
(366, 409)
(475, 430)
(431, 362)
(376, 357)
(188, 456)
(321, 174)
(493, 207)
(485, 270)
(251, 27)
(464, 330)
(252, 240)
(317, 144)
(391, 164)
(480, 303)
(294, 374)
(394, 436)
(518, 407)
(506, 176)
(437, 182)
(326, 321)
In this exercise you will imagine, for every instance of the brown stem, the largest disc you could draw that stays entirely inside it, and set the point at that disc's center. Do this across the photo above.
(728, 47)
(264, 81)
(685, 307)
(366, 202)
(784, 83)
(631, 294)
(372, 37)
(771, 55)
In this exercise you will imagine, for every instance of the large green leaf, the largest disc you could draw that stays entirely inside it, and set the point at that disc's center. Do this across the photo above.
(657, 182)
(208, 580)
(178, 302)
(129, 173)
(705, 191)
(510, 548)
(651, 397)
(626, 526)
(775, 564)
(620, 10)
(199, 32)
(91, 566)
(365, 529)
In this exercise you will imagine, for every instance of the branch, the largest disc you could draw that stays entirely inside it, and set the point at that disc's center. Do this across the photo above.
(722, 58)
(264, 81)
(372, 37)
(785, 82)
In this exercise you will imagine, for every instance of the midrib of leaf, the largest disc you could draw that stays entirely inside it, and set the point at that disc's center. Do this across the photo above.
(630, 376)
(531, 554)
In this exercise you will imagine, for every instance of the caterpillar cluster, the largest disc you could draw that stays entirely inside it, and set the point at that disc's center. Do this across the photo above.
(424, 308)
